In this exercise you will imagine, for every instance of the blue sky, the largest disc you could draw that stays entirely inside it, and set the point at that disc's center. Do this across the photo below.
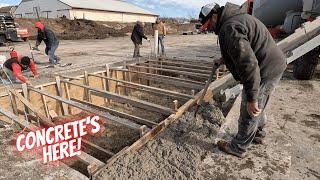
(166, 8)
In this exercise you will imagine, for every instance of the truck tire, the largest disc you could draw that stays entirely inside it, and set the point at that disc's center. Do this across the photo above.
(304, 67)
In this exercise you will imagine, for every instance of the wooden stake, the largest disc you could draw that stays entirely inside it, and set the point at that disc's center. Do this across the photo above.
(45, 104)
(87, 95)
(67, 91)
(176, 105)
(64, 107)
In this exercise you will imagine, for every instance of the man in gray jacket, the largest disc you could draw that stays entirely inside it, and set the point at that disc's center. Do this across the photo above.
(253, 58)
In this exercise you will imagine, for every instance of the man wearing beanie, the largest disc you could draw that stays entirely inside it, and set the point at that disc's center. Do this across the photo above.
(47, 35)
(253, 58)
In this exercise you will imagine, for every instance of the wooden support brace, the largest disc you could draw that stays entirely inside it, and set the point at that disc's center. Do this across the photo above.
(200, 71)
(87, 95)
(45, 104)
(191, 74)
(86, 108)
(162, 76)
(43, 119)
(181, 64)
(163, 91)
(25, 93)
(64, 107)
(176, 104)
(13, 104)
(120, 114)
(67, 91)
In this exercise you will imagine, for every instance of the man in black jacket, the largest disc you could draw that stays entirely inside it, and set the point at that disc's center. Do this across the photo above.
(136, 37)
(47, 35)
(253, 58)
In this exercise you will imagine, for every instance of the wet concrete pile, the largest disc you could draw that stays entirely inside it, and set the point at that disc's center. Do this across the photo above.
(176, 153)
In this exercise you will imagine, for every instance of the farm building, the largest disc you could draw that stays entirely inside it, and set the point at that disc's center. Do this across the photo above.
(97, 10)
(8, 10)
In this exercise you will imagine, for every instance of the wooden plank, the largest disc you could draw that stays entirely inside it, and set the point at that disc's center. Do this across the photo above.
(45, 104)
(168, 92)
(172, 82)
(97, 148)
(64, 107)
(162, 76)
(86, 108)
(191, 74)
(200, 71)
(156, 93)
(120, 114)
(198, 66)
(135, 102)
(188, 61)
(70, 78)
(125, 99)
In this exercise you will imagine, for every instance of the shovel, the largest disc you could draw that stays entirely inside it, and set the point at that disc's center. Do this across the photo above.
(200, 101)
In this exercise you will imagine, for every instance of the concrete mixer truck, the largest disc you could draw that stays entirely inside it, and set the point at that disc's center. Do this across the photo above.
(295, 24)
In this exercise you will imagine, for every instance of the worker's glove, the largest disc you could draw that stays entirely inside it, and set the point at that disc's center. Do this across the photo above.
(36, 48)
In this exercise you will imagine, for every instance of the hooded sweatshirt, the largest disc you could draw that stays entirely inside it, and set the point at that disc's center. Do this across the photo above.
(47, 35)
(248, 49)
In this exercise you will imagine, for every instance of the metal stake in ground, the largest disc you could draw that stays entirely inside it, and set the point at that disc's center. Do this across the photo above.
(200, 101)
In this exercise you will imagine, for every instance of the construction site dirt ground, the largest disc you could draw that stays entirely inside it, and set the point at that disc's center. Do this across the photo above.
(292, 149)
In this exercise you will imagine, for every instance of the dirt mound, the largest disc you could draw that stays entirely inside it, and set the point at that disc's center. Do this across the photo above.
(86, 29)
(73, 29)
(79, 29)
(174, 154)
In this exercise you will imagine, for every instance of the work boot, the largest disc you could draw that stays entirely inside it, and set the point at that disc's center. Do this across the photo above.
(225, 147)
(259, 138)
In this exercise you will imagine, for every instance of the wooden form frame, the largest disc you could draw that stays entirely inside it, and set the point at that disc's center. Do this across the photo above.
(66, 102)
(214, 87)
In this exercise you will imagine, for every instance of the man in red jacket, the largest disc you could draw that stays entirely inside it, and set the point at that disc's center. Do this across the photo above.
(14, 67)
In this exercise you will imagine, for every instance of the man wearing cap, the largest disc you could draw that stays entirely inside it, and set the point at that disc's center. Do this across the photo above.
(14, 67)
(47, 35)
(136, 37)
(253, 58)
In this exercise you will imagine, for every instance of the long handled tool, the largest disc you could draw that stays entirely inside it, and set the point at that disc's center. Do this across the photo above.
(200, 101)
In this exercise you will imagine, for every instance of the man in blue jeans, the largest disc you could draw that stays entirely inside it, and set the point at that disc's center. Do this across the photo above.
(252, 56)
(47, 35)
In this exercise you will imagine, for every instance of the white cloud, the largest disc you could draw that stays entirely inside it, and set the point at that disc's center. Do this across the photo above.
(3, 4)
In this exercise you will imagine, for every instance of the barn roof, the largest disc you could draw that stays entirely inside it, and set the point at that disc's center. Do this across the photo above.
(107, 5)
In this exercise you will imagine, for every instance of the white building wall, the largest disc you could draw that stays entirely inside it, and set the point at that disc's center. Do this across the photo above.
(110, 16)
(46, 8)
